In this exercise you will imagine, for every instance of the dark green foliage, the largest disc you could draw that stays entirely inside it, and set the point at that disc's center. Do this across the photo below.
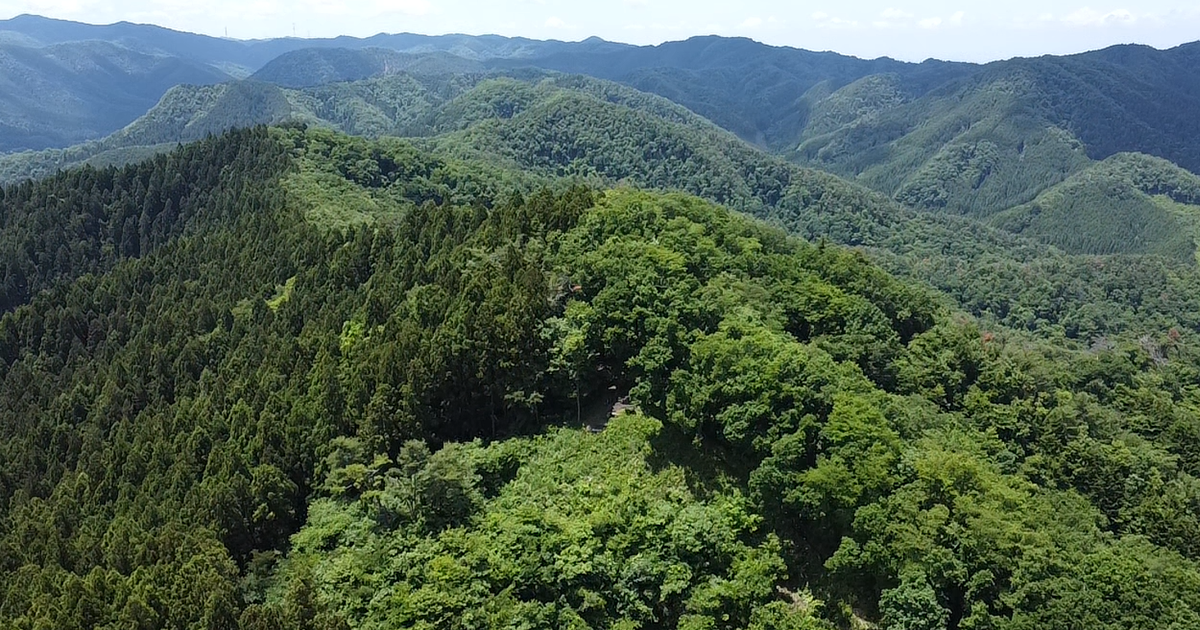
(194, 388)
(88, 220)
(913, 605)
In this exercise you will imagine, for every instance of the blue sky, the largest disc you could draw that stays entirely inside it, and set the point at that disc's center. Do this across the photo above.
(912, 30)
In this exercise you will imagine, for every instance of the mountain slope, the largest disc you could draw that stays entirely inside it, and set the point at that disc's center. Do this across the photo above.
(67, 93)
(754, 90)
(317, 66)
(553, 126)
(403, 104)
(1128, 203)
(998, 138)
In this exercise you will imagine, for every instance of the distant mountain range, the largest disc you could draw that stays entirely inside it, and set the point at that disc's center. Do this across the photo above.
(1023, 144)
(62, 94)
(64, 82)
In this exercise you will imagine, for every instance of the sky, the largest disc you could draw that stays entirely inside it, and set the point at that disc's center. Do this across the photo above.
(907, 30)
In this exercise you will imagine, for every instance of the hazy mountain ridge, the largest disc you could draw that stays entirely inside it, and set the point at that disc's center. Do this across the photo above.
(92, 106)
(253, 54)
(64, 94)
(315, 66)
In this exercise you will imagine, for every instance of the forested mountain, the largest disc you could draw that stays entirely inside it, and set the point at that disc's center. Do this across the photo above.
(1129, 203)
(951, 137)
(290, 379)
(318, 66)
(64, 94)
(544, 350)
(554, 126)
(1003, 135)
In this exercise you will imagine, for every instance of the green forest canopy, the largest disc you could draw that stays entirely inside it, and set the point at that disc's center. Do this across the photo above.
(338, 384)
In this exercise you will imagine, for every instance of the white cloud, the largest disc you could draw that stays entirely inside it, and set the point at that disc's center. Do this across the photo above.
(895, 14)
(936, 22)
(752, 22)
(893, 18)
(407, 7)
(824, 20)
(1088, 16)
(555, 22)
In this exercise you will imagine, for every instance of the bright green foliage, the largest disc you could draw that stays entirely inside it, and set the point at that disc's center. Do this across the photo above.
(578, 530)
